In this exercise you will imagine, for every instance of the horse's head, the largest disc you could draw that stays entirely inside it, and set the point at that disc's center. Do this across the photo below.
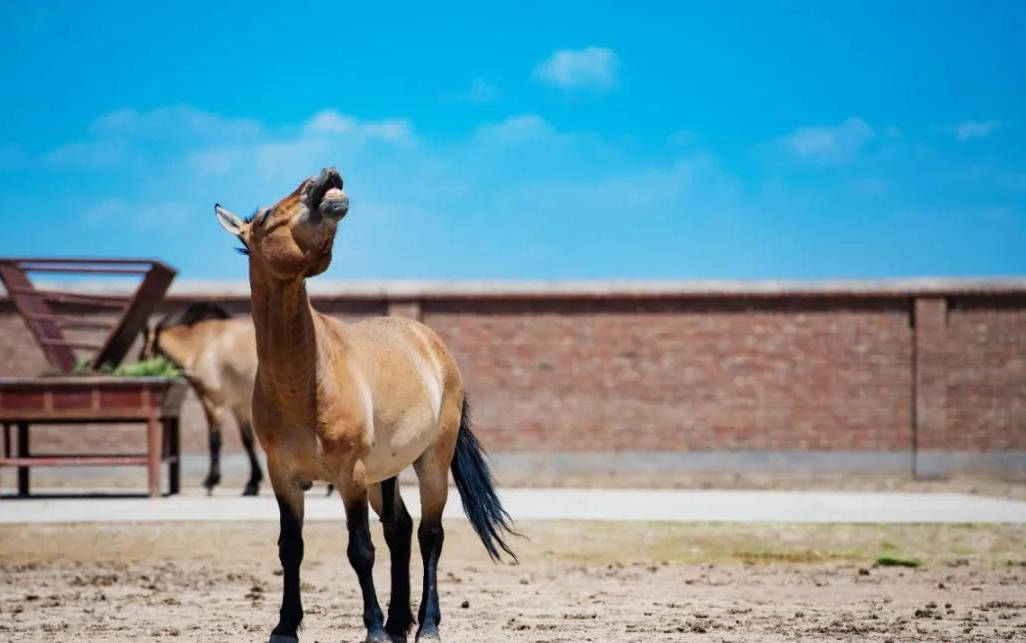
(292, 239)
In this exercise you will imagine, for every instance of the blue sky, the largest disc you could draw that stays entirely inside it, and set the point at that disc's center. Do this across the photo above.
(547, 140)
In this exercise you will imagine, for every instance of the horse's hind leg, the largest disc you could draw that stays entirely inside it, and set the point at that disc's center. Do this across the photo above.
(214, 416)
(398, 527)
(255, 475)
(433, 474)
(361, 551)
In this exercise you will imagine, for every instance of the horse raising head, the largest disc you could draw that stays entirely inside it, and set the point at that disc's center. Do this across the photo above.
(292, 239)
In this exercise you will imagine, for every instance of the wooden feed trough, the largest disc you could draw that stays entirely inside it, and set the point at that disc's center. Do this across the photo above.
(73, 401)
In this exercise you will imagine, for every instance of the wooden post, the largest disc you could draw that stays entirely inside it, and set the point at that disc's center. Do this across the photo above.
(175, 465)
(23, 452)
(7, 443)
(153, 443)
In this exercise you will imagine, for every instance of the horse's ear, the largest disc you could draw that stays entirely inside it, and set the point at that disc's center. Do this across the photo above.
(229, 220)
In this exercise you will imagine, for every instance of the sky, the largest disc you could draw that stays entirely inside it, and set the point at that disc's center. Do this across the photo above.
(571, 140)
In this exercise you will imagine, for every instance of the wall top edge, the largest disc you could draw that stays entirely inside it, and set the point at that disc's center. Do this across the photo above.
(511, 289)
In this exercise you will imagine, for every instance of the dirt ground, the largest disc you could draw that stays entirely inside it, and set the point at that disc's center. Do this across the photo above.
(576, 582)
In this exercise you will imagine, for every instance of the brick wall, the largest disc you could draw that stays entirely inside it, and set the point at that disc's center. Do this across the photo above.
(863, 369)
(985, 358)
(684, 375)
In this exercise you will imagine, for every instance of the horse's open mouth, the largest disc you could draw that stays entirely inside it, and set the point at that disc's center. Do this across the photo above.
(328, 196)
(332, 180)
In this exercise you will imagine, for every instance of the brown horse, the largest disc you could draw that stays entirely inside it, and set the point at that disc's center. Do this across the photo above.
(353, 405)
(217, 355)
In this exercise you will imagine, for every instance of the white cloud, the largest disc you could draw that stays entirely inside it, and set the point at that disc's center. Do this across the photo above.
(589, 68)
(480, 91)
(110, 213)
(975, 129)
(330, 121)
(830, 142)
(130, 138)
(213, 161)
(105, 211)
(516, 129)
(515, 195)
(212, 144)
(88, 154)
(177, 121)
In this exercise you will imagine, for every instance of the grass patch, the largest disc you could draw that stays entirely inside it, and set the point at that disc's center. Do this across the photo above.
(770, 557)
(891, 561)
(769, 544)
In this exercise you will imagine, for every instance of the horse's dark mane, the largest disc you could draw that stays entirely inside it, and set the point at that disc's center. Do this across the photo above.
(245, 250)
(192, 315)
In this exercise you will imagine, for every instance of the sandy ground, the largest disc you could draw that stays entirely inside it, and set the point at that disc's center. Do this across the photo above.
(577, 582)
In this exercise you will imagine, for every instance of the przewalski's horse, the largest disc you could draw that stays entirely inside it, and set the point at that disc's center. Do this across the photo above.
(353, 405)
(217, 355)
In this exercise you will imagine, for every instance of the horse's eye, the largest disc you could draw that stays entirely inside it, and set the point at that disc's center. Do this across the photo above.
(262, 218)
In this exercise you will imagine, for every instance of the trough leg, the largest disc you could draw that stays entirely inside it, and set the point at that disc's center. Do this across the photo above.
(7, 447)
(23, 452)
(153, 444)
(174, 467)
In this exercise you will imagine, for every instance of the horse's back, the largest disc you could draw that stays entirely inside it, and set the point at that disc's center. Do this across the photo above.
(389, 349)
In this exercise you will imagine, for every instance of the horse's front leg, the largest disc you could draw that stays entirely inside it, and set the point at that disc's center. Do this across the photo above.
(361, 552)
(290, 552)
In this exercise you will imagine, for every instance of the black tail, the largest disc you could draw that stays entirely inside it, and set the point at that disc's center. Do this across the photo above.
(477, 490)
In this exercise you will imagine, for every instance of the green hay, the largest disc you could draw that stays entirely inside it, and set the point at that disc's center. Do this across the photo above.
(154, 367)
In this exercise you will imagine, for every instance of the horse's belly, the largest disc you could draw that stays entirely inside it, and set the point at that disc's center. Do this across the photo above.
(396, 446)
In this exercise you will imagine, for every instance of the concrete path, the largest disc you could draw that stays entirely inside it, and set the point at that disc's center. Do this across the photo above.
(554, 504)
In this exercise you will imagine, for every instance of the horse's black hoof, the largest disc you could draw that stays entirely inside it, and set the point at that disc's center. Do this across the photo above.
(251, 490)
(429, 637)
(211, 482)
(378, 637)
(399, 633)
(282, 638)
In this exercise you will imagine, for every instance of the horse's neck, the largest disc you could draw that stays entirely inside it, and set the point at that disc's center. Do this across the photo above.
(286, 336)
